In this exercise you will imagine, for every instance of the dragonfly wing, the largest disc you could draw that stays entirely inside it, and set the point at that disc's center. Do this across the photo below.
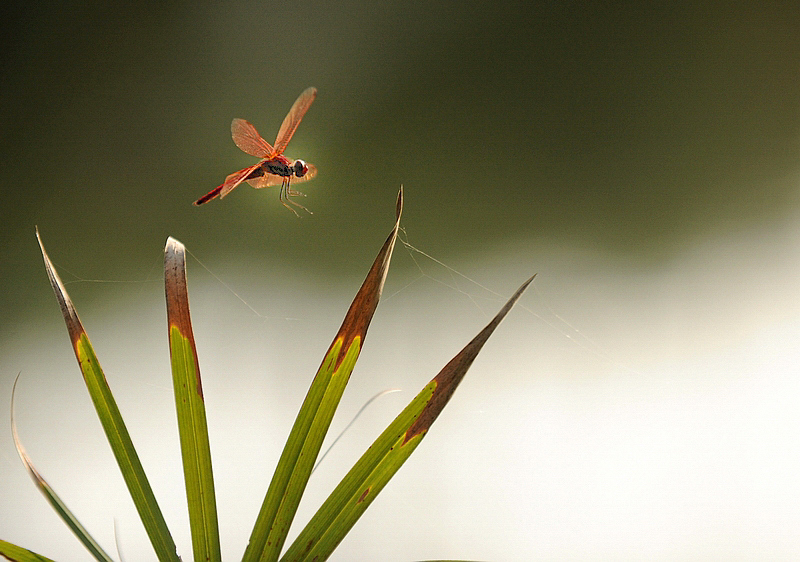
(247, 138)
(267, 180)
(236, 178)
(293, 119)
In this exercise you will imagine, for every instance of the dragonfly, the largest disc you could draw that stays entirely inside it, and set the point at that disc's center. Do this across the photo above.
(274, 168)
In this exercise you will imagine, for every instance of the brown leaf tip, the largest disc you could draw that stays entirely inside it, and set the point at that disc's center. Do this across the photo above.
(399, 209)
(451, 375)
(174, 246)
(71, 319)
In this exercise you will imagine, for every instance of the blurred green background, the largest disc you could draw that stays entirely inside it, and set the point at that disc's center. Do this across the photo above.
(631, 130)
(643, 159)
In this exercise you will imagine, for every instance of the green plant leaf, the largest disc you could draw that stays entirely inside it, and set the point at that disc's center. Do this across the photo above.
(112, 422)
(387, 454)
(312, 422)
(19, 554)
(190, 408)
(61, 509)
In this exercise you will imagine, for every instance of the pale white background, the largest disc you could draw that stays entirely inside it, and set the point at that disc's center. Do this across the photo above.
(660, 423)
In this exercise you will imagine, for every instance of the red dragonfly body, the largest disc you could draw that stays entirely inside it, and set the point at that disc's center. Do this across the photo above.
(274, 168)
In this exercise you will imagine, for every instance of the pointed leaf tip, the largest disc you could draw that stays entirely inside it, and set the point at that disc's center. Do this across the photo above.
(515, 297)
(312, 422)
(50, 495)
(399, 209)
(15, 436)
(451, 375)
(74, 326)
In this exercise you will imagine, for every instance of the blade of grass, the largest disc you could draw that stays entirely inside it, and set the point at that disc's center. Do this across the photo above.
(314, 418)
(190, 407)
(18, 554)
(386, 455)
(112, 422)
(61, 509)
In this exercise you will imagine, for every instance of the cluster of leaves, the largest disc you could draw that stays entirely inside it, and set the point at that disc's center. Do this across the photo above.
(349, 499)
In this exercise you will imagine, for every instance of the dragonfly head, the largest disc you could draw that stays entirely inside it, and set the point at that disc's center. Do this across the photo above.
(300, 168)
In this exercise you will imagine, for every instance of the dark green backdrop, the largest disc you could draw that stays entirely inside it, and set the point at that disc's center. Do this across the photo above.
(627, 129)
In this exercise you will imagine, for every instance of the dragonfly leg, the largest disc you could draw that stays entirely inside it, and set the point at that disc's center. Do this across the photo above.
(284, 197)
(286, 194)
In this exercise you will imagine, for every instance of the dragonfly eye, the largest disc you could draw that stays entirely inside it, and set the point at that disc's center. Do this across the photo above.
(300, 168)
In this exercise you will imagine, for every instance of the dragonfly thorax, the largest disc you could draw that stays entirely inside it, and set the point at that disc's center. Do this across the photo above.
(280, 167)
